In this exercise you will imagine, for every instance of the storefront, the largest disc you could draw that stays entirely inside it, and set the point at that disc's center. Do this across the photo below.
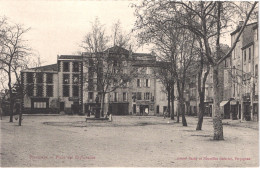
(234, 110)
(225, 109)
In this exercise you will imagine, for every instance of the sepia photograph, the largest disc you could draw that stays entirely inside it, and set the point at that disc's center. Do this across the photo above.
(129, 83)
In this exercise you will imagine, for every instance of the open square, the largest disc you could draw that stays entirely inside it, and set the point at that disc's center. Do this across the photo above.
(128, 141)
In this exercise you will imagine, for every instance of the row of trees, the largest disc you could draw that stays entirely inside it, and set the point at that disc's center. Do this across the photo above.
(187, 34)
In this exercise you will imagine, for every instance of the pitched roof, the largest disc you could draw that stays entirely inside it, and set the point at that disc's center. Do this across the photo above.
(52, 67)
(239, 27)
(142, 54)
(70, 57)
(118, 50)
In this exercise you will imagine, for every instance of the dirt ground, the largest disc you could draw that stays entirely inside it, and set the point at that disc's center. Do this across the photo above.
(128, 141)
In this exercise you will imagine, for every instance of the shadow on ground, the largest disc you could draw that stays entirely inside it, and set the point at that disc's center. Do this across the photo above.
(104, 124)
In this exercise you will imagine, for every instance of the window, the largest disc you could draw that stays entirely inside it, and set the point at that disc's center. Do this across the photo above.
(90, 72)
(29, 90)
(115, 96)
(29, 77)
(244, 56)
(134, 96)
(39, 77)
(124, 96)
(148, 70)
(249, 57)
(75, 91)
(139, 96)
(90, 84)
(66, 78)
(147, 96)
(75, 66)
(138, 82)
(49, 91)
(66, 90)
(90, 95)
(39, 91)
(49, 78)
(66, 67)
(75, 78)
(147, 83)
(39, 105)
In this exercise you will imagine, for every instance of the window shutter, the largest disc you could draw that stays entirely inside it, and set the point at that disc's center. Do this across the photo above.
(148, 82)
(140, 82)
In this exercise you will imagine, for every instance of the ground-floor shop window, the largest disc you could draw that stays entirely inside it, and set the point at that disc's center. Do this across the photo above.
(39, 105)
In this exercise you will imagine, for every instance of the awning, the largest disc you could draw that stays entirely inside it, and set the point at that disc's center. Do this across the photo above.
(223, 103)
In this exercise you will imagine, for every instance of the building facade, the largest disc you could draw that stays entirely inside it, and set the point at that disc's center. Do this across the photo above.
(72, 86)
(39, 86)
(245, 73)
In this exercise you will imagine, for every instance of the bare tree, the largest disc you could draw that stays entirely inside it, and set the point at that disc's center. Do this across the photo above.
(119, 37)
(208, 20)
(202, 77)
(174, 46)
(109, 66)
(167, 79)
(13, 58)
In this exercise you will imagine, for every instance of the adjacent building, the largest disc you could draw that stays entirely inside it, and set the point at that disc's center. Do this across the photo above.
(245, 72)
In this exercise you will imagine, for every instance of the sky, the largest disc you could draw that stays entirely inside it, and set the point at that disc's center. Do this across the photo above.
(58, 27)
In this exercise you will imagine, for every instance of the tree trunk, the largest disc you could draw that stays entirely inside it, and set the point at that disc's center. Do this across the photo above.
(11, 95)
(184, 122)
(102, 104)
(202, 110)
(20, 115)
(169, 100)
(172, 112)
(172, 102)
(178, 113)
(11, 107)
(217, 120)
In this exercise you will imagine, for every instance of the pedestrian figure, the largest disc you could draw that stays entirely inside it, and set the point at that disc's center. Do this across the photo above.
(110, 118)
(165, 114)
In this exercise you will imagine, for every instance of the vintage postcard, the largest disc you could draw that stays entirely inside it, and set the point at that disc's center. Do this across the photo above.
(162, 84)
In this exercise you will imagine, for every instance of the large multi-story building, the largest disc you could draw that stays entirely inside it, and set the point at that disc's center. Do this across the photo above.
(71, 86)
(39, 86)
(244, 72)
